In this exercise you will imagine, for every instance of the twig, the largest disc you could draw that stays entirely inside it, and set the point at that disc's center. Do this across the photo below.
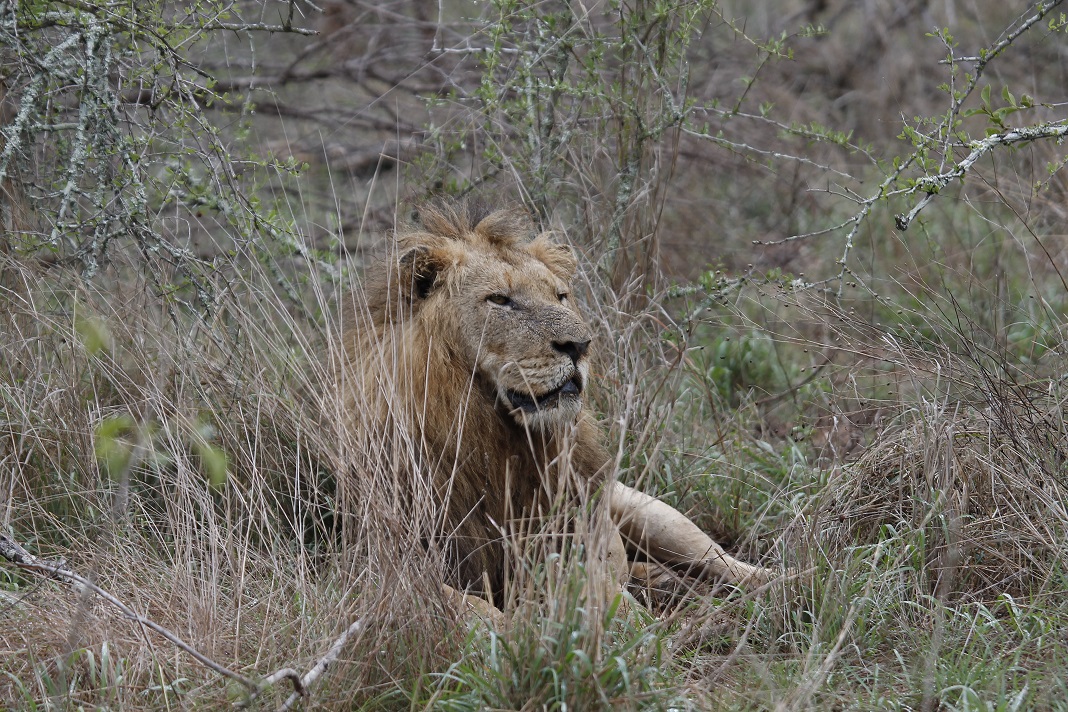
(255, 27)
(14, 553)
(300, 684)
(744, 148)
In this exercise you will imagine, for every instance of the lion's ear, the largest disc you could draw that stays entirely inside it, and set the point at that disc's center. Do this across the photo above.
(560, 259)
(417, 270)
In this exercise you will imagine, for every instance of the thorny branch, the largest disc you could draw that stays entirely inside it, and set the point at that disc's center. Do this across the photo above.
(85, 58)
(929, 184)
(16, 554)
(984, 58)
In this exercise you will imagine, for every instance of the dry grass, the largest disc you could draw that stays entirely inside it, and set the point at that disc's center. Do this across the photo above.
(198, 463)
(981, 496)
(114, 410)
(250, 569)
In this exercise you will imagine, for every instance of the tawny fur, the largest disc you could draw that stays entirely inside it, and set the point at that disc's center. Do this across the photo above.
(413, 368)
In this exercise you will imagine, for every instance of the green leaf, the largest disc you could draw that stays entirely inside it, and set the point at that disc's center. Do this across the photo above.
(111, 445)
(93, 333)
(216, 463)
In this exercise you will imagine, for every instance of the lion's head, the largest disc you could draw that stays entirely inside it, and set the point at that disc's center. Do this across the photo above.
(501, 300)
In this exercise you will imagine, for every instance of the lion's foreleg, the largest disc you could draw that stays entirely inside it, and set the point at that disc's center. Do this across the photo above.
(473, 608)
(618, 568)
(605, 582)
(667, 536)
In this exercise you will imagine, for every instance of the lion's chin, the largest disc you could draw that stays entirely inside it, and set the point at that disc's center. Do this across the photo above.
(548, 419)
(557, 406)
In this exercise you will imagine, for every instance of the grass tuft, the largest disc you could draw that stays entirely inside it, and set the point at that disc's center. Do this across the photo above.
(981, 494)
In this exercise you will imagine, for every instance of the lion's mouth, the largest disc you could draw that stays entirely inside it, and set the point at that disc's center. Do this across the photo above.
(570, 389)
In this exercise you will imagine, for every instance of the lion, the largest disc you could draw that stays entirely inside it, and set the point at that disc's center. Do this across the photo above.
(470, 357)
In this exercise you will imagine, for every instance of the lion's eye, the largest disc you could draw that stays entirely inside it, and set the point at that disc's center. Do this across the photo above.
(562, 296)
(499, 299)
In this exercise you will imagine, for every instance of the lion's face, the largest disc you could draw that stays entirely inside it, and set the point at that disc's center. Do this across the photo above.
(524, 335)
(505, 308)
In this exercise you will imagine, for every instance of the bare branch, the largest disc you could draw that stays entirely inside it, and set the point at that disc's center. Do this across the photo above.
(256, 27)
(287, 674)
(932, 184)
(16, 554)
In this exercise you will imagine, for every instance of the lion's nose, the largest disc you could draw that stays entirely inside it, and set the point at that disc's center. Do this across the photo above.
(574, 349)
